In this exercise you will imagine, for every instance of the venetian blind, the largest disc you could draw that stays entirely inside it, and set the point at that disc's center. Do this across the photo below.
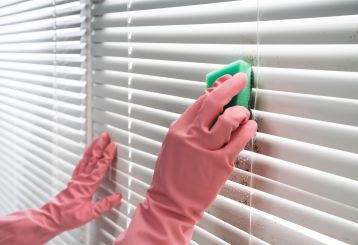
(42, 101)
(297, 183)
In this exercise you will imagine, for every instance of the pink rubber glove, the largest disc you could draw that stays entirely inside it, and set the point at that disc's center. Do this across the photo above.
(195, 160)
(71, 208)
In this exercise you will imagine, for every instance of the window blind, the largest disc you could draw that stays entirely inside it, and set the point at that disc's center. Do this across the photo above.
(297, 182)
(42, 101)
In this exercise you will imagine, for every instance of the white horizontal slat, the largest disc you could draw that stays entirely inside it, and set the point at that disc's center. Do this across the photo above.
(9, 2)
(290, 56)
(305, 81)
(24, 6)
(59, 83)
(282, 9)
(309, 155)
(61, 59)
(60, 35)
(46, 24)
(61, 71)
(308, 106)
(337, 136)
(43, 47)
(152, 4)
(42, 13)
(327, 30)
(115, 6)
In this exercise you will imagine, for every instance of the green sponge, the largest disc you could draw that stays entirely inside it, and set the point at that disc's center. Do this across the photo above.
(243, 98)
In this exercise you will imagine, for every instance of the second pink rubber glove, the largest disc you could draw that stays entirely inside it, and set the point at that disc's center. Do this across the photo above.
(71, 208)
(196, 158)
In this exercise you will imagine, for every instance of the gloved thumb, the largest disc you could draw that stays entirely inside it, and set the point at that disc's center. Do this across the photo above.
(106, 204)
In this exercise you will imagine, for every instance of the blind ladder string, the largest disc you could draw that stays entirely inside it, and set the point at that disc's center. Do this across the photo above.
(130, 66)
(55, 106)
(256, 78)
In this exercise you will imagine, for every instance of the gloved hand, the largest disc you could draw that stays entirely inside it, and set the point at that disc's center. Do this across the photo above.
(196, 158)
(71, 208)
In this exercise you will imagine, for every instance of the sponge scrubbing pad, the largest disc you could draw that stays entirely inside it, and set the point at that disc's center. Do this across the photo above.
(243, 98)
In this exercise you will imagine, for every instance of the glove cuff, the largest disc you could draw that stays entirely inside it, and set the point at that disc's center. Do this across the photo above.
(157, 224)
(33, 221)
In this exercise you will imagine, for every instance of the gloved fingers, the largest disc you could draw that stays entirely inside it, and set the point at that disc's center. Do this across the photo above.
(106, 204)
(85, 159)
(87, 183)
(219, 97)
(97, 151)
(226, 124)
(190, 113)
(217, 83)
(100, 168)
(239, 139)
